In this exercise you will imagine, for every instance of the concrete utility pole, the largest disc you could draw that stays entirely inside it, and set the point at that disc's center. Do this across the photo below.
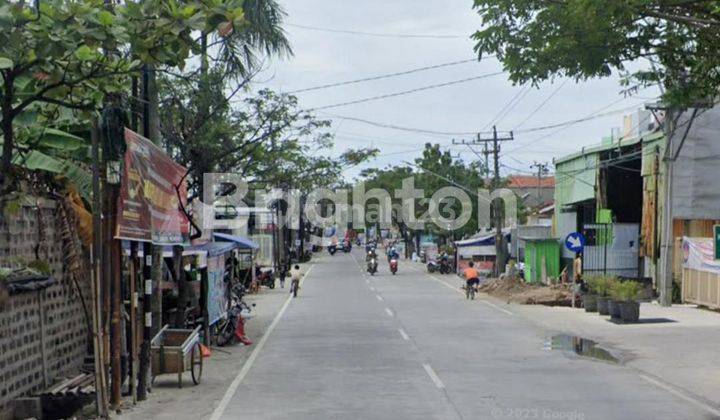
(542, 169)
(500, 246)
(153, 260)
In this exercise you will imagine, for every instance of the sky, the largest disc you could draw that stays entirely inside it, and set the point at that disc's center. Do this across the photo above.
(325, 57)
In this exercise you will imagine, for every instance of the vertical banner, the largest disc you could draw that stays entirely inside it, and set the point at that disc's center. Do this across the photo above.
(217, 296)
(150, 194)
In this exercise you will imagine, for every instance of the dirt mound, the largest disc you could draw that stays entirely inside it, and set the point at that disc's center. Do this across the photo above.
(515, 290)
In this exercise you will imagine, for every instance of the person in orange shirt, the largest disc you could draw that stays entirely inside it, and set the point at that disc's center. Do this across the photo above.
(472, 278)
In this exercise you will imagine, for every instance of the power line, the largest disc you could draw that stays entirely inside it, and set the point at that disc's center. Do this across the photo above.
(507, 111)
(376, 34)
(512, 100)
(401, 128)
(542, 104)
(561, 125)
(386, 76)
(406, 92)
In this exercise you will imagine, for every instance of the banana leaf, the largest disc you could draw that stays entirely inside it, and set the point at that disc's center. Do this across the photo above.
(37, 161)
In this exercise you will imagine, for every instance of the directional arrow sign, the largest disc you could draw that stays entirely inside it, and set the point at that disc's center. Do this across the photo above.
(575, 242)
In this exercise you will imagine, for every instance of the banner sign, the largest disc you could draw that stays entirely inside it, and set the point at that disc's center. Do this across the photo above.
(148, 207)
(698, 254)
(217, 289)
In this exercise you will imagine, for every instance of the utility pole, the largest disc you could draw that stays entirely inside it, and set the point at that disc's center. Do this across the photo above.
(496, 139)
(542, 168)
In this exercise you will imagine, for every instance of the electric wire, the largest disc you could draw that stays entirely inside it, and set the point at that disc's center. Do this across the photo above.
(386, 76)
(406, 92)
(376, 34)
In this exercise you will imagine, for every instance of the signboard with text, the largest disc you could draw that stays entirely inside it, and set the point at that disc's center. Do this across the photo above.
(152, 185)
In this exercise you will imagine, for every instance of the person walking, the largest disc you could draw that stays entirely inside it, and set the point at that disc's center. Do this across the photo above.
(283, 273)
(295, 277)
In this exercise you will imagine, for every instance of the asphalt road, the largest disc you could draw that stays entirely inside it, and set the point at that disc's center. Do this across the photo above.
(410, 346)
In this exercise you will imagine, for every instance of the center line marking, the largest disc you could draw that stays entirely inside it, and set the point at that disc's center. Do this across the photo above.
(389, 312)
(379, 298)
(404, 334)
(431, 373)
(372, 289)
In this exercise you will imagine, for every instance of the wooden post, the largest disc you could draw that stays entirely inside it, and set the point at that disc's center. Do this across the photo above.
(133, 321)
(101, 401)
(182, 286)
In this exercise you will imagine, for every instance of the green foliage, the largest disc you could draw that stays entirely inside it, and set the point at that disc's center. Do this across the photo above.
(431, 172)
(601, 285)
(625, 291)
(61, 63)
(538, 40)
(41, 266)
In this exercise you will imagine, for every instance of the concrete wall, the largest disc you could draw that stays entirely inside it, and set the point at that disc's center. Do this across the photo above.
(43, 334)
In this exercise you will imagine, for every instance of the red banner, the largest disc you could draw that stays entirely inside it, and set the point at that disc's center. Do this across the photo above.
(148, 207)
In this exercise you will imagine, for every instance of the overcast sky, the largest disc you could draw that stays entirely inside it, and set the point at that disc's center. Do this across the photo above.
(323, 57)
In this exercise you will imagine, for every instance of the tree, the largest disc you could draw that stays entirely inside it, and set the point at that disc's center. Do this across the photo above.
(538, 40)
(73, 54)
(434, 170)
(268, 139)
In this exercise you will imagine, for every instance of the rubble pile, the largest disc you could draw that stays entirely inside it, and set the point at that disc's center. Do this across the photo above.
(516, 290)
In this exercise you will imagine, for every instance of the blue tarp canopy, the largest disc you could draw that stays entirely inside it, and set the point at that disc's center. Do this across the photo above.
(242, 242)
(214, 249)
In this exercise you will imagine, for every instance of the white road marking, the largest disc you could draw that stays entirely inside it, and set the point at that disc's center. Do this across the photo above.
(462, 292)
(404, 334)
(431, 373)
(388, 311)
(492, 305)
(220, 409)
(682, 395)
(372, 289)
(379, 298)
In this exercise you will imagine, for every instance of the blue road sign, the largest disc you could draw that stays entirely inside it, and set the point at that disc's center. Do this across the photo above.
(575, 242)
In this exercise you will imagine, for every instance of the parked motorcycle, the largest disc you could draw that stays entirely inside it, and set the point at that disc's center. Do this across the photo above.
(445, 267)
(267, 278)
(393, 266)
(433, 266)
(232, 327)
(332, 249)
(372, 266)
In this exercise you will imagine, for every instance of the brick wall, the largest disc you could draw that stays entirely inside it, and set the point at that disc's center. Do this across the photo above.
(43, 334)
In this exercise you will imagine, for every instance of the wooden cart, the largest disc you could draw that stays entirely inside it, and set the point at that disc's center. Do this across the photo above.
(177, 351)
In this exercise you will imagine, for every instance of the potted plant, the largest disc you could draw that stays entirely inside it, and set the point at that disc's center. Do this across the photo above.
(628, 292)
(590, 298)
(602, 288)
(615, 298)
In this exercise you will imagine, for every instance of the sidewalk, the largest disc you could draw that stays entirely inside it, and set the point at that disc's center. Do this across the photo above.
(676, 347)
(198, 401)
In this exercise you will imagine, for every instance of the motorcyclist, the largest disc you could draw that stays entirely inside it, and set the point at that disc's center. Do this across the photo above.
(371, 254)
(393, 254)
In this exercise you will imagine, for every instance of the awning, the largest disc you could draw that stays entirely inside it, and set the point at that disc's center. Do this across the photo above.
(214, 249)
(244, 243)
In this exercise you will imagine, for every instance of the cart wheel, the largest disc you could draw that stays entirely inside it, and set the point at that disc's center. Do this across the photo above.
(196, 363)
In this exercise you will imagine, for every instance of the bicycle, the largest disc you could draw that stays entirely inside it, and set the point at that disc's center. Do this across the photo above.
(294, 287)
